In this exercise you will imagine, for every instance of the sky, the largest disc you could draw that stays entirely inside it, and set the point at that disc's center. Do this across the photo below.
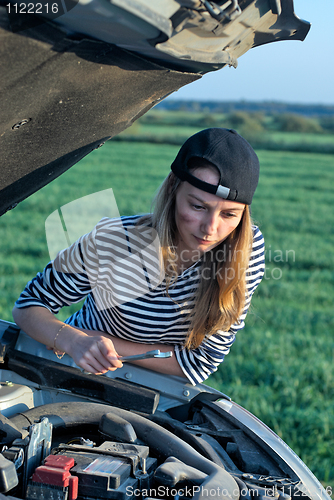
(288, 71)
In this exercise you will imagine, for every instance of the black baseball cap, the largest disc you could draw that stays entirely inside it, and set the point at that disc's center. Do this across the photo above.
(235, 159)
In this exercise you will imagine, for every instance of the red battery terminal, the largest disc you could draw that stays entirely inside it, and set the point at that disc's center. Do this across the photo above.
(55, 471)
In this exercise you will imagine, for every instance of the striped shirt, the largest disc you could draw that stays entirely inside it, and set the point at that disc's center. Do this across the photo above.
(117, 267)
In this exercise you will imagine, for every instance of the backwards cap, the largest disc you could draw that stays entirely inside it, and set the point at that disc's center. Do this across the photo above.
(234, 158)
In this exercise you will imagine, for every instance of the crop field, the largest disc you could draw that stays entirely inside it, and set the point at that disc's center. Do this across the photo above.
(281, 367)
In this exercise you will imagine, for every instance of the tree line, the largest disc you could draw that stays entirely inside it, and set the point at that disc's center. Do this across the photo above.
(247, 123)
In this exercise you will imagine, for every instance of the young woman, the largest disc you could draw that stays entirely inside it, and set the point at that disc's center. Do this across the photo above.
(211, 260)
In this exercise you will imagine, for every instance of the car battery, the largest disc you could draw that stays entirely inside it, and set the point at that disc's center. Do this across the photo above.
(113, 470)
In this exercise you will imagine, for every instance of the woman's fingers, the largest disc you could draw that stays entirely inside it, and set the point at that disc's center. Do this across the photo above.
(89, 363)
(97, 355)
(108, 352)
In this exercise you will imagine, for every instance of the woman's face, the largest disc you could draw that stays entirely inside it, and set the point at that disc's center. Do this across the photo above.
(203, 220)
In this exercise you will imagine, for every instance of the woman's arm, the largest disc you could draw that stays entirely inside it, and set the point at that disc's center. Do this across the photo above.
(93, 351)
(169, 366)
(95, 355)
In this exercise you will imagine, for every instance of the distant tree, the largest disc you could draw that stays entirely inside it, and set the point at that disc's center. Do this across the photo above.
(327, 123)
(208, 120)
(247, 124)
(287, 122)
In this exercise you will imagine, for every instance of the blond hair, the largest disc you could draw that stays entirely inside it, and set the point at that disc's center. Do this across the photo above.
(220, 297)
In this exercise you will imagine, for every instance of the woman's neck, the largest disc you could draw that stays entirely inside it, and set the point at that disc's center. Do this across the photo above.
(185, 258)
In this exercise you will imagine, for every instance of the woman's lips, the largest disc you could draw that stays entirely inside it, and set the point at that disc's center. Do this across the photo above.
(203, 242)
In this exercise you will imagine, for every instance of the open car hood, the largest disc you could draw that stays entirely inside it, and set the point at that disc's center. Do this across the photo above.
(69, 81)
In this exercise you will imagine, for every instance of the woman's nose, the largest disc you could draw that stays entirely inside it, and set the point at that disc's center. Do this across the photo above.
(210, 224)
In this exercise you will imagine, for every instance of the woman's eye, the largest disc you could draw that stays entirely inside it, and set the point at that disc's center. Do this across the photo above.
(228, 214)
(197, 207)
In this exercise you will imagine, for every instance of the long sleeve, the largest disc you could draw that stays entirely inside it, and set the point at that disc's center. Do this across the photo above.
(66, 280)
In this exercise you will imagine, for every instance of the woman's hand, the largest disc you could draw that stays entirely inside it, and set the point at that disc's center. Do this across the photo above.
(94, 353)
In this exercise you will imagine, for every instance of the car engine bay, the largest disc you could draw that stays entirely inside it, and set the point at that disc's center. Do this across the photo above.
(66, 434)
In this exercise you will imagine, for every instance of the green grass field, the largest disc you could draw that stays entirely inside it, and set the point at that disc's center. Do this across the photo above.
(281, 366)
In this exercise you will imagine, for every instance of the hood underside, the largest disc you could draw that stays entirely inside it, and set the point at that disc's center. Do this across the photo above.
(70, 82)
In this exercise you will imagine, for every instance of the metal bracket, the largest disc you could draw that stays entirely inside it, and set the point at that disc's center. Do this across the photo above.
(230, 13)
(276, 7)
(39, 446)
